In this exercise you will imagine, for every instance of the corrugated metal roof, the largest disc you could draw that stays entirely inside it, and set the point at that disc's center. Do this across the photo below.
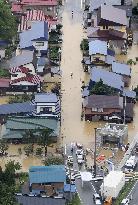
(16, 108)
(46, 98)
(98, 46)
(38, 30)
(47, 174)
(121, 68)
(26, 200)
(69, 188)
(22, 59)
(109, 78)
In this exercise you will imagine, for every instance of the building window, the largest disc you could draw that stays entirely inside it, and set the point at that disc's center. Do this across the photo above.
(100, 109)
(39, 43)
(105, 27)
(94, 109)
(46, 110)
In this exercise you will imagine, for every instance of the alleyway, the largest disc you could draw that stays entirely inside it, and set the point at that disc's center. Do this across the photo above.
(72, 128)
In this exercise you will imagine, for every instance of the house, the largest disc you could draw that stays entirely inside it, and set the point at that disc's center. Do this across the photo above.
(15, 127)
(47, 179)
(101, 107)
(122, 69)
(23, 73)
(25, 200)
(100, 53)
(49, 7)
(47, 104)
(4, 85)
(41, 63)
(94, 4)
(35, 38)
(109, 78)
(3, 45)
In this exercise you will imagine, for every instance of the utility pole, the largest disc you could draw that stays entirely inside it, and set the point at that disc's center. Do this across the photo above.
(125, 110)
(95, 153)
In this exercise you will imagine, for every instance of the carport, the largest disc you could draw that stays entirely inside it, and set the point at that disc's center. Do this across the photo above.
(85, 177)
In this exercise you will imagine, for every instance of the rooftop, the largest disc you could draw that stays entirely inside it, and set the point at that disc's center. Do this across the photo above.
(103, 101)
(109, 78)
(129, 93)
(113, 178)
(4, 83)
(46, 97)
(111, 14)
(97, 46)
(96, 4)
(39, 29)
(121, 68)
(24, 58)
(40, 2)
(47, 174)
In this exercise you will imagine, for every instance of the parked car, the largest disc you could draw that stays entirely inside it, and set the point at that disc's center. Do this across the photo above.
(97, 199)
(125, 202)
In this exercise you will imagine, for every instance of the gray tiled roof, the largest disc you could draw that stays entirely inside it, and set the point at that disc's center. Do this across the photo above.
(46, 97)
(26, 200)
(112, 14)
(121, 68)
(109, 78)
(95, 4)
(103, 101)
(22, 59)
(97, 46)
(16, 108)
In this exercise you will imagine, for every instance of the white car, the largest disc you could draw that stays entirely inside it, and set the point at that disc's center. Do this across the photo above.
(80, 159)
(125, 202)
(97, 199)
(79, 151)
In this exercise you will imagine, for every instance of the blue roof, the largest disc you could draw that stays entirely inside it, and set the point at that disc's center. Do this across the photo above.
(39, 29)
(110, 52)
(95, 4)
(97, 46)
(69, 188)
(16, 108)
(129, 93)
(109, 78)
(41, 61)
(46, 97)
(121, 68)
(47, 174)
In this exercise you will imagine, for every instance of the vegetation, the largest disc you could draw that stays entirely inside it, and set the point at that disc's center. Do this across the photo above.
(9, 51)
(20, 98)
(4, 73)
(8, 27)
(53, 37)
(56, 89)
(125, 191)
(54, 53)
(39, 151)
(54, 161)
(29, 149)
(75, 201)
(131, 62)
(7, 183)
(84, 46)
(45, 139)
(3, 147)
(101, 89)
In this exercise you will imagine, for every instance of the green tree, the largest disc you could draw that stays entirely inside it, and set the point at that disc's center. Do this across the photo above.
(3, 147)
(45, 138)
(100, 88)
(84, 46)
(29, 149)
(53, 161)
(131, 62)
(39, 151)
(8, 27)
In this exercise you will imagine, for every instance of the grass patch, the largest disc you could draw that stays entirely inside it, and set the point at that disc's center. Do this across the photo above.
(125, 191)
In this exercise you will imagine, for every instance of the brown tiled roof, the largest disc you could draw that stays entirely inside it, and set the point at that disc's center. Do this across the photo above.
(104, 101)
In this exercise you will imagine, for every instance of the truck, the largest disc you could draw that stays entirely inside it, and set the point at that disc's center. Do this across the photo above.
(130, 164)
(112, 184)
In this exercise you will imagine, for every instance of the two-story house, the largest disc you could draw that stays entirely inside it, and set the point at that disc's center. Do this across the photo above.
(124, 70)
(100, 54)
(101, 107)
(23, 73)
(49, 7)
(35, 38)
(48, 180)
(109, 78)
(47, 104)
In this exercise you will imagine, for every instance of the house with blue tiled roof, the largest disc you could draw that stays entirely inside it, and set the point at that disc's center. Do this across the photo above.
(36, 38)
